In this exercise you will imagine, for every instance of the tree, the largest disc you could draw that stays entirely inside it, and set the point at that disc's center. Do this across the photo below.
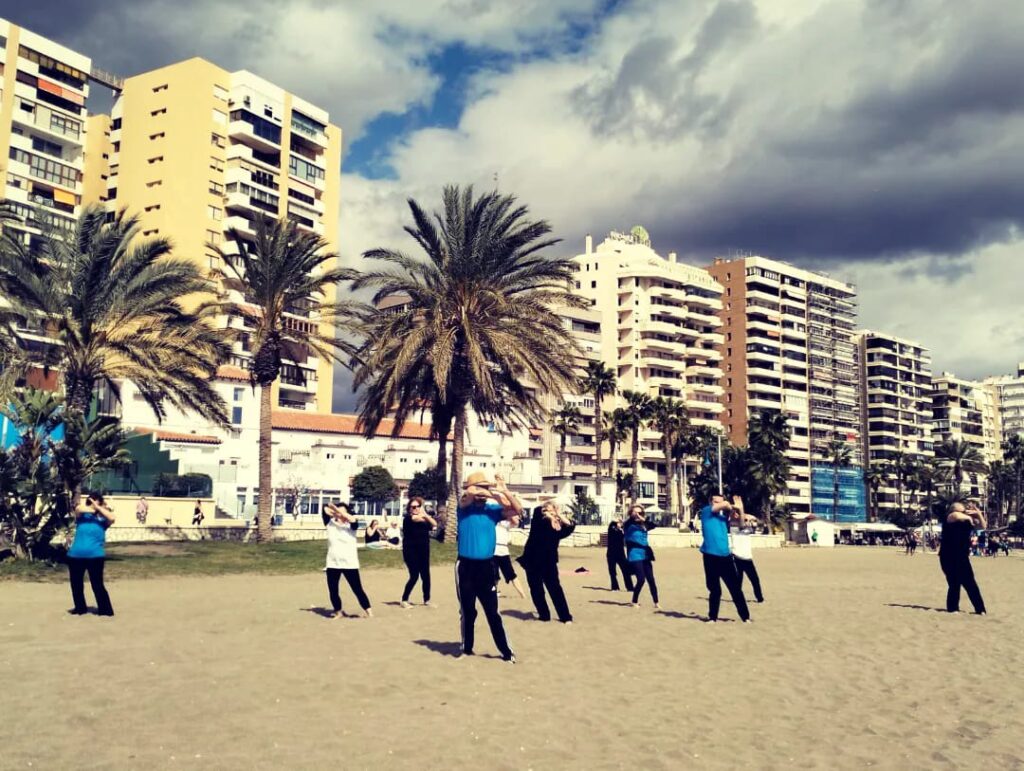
(636, 413)
(692, 441)
(932, 476)
(474, 327)
(599, 382)
(113, 305)
(375, 485)
(768, 435)
(566, 423)
(1013, 454)
(899, 468)
(1000, 492)
(616, 428)
(584, 509)
(874, 476)
(283, 284)
(430, 485)
(669, 418)
(839, 456)
(960, 457)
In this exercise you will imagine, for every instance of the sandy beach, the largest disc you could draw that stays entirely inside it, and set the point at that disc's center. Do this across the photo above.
(847, 665)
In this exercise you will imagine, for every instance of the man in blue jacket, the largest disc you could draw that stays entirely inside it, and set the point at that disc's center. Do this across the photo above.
(482, 506)
(718, 562)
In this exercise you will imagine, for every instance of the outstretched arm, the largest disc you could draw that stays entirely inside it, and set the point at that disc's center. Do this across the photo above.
(509, 503)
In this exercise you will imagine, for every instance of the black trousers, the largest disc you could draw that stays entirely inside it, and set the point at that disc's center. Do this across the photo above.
(746, 568)
(355, 583)
(77, 568)
(474, 582)
(545, 577)
(644, 571)
(418, 564)
(959, 573)
(503, 567)
(617, 562)
(716, 571)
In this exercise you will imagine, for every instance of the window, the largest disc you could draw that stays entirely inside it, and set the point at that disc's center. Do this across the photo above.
(300, 196)
(154, 183)
(54, 69)
(152, 232)
(45, 169)
(304, 170)
(69, 127)
(213, 212)
(237, 394)
(217, 165)
(156, 159)
(213, 237)
(216, 140)
(220, 117)
(161, 111)
(154, 207)
(216, 188)
(260, 127)
(44, 146)
(158, 89)
(221, 93)
(236, 416)
(593, 285)
(158, 135)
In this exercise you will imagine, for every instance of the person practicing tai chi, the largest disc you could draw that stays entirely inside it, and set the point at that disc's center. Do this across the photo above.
(481, 507)
(640, 554)
(343, 556)
(502, 558)
(955, 555)
(88, 554)
(616, 555)
(743, 551)
(718, 562)
(540, 561)
(416, 527)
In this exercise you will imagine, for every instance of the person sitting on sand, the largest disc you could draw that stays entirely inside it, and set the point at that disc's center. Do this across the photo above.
(343, 556)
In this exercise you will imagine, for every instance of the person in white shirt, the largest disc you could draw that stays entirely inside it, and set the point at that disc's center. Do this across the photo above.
(502, 558)
(741, 545)
(343, 556)
(393, 535)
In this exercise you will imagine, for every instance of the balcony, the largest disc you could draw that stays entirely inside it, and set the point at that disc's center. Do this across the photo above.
(244, 132)
(713, 303)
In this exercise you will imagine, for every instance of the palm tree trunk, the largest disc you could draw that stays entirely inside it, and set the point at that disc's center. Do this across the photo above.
(451, 528)
(598, 439)
(634, 487)
(835, 493)
(684, 514)
(666, 448)
(264, 529)
(561, 458)
(613, 459)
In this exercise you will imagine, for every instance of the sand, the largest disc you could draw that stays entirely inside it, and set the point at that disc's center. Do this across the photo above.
(847, 665)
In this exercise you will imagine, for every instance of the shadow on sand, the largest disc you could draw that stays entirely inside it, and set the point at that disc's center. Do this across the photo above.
(611, 602)
(522, 615)
(691, 616)
(914, 607)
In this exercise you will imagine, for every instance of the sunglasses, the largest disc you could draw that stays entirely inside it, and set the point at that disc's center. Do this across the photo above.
(415, 506)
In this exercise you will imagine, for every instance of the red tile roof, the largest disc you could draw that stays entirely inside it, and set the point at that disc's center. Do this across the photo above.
(176, 436)
(228, 372)
(342, 424)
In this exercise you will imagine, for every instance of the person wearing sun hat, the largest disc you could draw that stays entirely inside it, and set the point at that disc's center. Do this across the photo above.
(482, 506)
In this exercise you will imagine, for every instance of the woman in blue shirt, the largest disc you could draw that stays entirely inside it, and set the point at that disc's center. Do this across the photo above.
(639, 553)
(88, 553)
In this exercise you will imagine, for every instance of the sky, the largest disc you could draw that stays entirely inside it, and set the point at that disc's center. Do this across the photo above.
(881, 141)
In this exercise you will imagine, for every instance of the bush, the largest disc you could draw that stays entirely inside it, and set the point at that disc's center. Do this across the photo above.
(429, 485)
(183, 486)
(374, 484)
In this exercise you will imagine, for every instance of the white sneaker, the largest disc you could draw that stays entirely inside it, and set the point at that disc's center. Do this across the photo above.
(406, 604)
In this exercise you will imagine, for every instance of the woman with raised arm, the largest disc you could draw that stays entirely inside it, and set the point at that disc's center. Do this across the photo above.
(343, 556)
(955, 555)
(416, 527)
(540, 560)
(640, 554)
(88, 554)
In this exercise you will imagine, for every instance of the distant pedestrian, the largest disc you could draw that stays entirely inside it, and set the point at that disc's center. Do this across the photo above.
(719, 566)
(503, 566)
(197, 514)
(482, 506)
(343, 556)
(954, 556)
(640, 554)
(142, 510)
(616, 556)
(416, 526)
(540, 560)
(88, 554)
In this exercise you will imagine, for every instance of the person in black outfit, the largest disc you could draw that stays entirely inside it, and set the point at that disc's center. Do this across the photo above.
(416, 527)
(540, 561)
(616, 555)
(955, 556)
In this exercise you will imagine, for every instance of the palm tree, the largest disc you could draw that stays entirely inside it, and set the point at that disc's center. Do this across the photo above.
(770, 430)
(112, 304)
(616, 428)
(960, 457)
(283, 280)
(768, 435)
(669, 418)
(691, 441)
(913, 479)
(899, 467)
(599, 382)
(1013, 454)
(636, 413)
(475, 328)
(932, 476)
(1000, 490)
(839, 456)
(566, 423)
(873, 478)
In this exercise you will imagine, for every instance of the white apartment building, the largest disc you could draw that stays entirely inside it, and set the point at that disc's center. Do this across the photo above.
(967, 411)
(789, 348)
(660, 333)
(896, 404)
(1011, 401)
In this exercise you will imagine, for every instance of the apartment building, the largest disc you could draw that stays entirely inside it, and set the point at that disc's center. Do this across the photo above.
(789, 348)
(43, 90)
(967, 411)
(198, 151)
(1010, 391)
(896, 405)
(659, 331)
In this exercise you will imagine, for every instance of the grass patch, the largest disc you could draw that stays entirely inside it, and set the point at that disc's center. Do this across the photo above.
(215, 558)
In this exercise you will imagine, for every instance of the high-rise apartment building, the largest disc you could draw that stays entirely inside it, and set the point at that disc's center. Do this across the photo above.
(967, 411)
(43, 89)
(896, 406)
(1011, 401)
(789, 348)
(659, 332)
(197, 150)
